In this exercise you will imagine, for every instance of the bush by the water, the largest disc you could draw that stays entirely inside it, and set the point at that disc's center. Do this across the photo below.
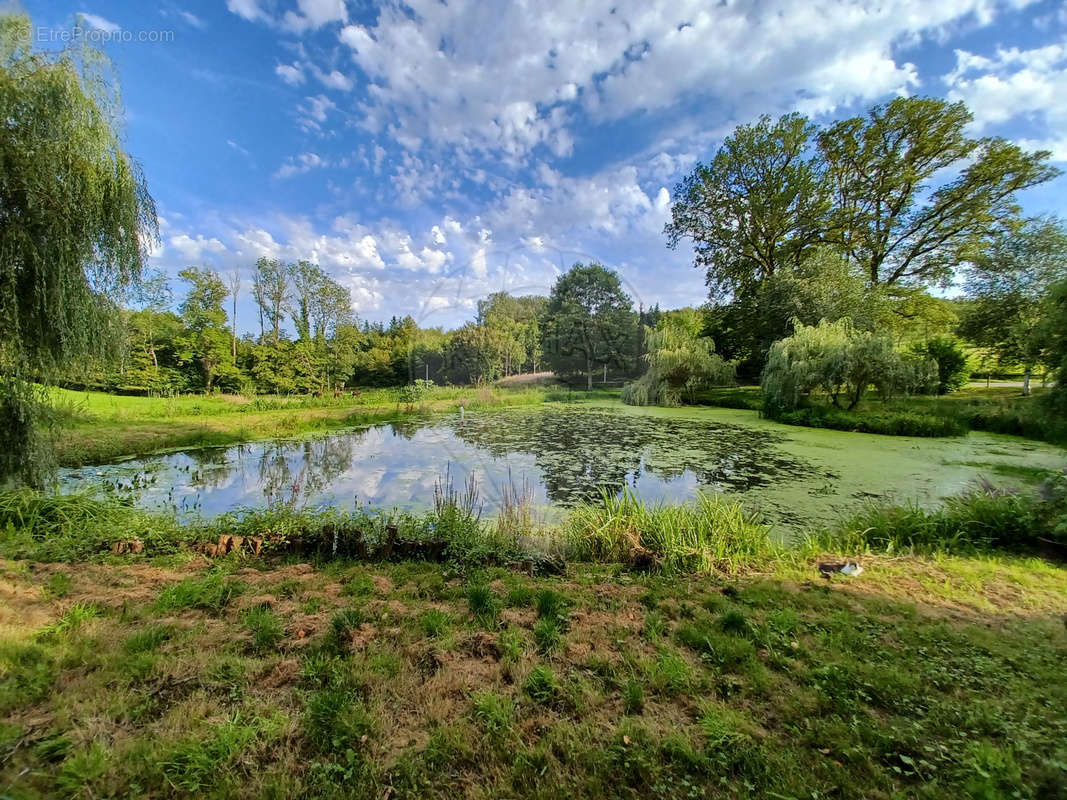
(708, 534)
(891, 423)
(840, 362)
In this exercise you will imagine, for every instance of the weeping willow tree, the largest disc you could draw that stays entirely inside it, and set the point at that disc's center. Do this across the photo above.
(837, 361)
(680, 362)
(75, 219)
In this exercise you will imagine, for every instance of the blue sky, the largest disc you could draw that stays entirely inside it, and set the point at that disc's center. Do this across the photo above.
(430, 152)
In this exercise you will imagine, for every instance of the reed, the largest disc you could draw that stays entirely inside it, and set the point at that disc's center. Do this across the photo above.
(708, 534)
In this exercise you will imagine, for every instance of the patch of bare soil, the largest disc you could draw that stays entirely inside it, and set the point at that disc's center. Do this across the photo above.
(281, 674)
(110, 585)
(529, 379)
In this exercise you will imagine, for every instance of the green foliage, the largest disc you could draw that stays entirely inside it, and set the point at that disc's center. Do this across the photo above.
(335, 719)
(542, 686)
(1055, 332)
(839, 361)
(210, 592)
(982, 519)
(482, 603)
(195, 764)
(756, 208)
(547, 634)
(680, 362)
(148, 640)
(708, 534)
(415, 392)
(1010, 285)
(476, 354)
(206, 338)
(888, 213)
(78, 526)
(27, 673)
(953, 369)
(496, 714)
(633, 697)
(853, 220)
(588, 323)
(78, 218)
(264, 626)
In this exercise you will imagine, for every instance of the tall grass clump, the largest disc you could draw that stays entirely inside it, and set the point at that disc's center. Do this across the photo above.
(77, 526)
(708, 534)
(983, 519)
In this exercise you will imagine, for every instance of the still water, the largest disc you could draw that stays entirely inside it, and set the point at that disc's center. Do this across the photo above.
(560, 455)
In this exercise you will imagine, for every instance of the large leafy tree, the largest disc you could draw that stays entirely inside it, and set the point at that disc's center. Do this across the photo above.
(206, 339)
(894, 215)
(589, 322)
(756, 209)
(1009, 285)
(271, 291)
(1054, 329)
(75, 218)
(517, 319)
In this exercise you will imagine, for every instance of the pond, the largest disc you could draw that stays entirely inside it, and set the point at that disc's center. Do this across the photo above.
(562, 454)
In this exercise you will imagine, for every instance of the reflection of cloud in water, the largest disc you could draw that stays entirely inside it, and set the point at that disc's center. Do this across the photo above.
(562, 454)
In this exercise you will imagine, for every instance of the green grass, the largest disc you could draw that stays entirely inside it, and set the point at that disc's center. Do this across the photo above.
(928, 677)
(211, 592)
(982, 520)
(708, 534)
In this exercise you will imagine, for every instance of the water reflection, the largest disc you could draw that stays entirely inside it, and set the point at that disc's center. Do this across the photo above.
(565, 455)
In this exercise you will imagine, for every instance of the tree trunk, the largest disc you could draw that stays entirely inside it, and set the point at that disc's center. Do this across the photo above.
(1026, 380)
(589, 373)
(605, 373)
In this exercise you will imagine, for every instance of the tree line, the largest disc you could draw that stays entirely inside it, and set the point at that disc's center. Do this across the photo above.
(309, 340)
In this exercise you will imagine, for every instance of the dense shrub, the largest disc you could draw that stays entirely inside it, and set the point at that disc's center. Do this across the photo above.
(840, 362)
(953, 370)
(979, 520)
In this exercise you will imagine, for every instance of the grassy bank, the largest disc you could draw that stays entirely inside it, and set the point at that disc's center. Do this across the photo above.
(678, 652)
(919, 678)
(93, 427)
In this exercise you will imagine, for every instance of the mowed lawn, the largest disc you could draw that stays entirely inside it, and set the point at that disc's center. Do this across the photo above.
(917, 678)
